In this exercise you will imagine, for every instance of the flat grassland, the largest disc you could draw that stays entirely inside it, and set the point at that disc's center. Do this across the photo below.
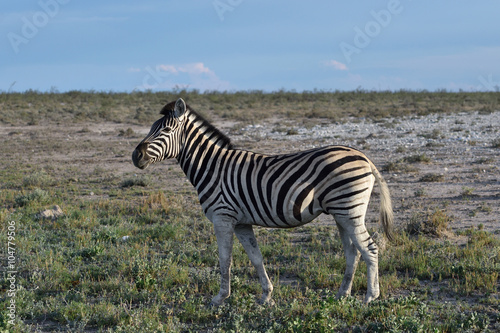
(133, 252)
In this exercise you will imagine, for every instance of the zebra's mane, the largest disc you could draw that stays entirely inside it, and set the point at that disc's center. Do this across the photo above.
(168, 110)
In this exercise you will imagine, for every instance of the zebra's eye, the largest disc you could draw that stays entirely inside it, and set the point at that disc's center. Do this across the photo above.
(167, 129)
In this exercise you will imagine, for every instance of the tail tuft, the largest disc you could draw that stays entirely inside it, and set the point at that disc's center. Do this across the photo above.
(386, 214)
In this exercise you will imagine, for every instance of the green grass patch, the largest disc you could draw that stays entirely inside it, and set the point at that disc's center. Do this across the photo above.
(80, 273)
(36, 196)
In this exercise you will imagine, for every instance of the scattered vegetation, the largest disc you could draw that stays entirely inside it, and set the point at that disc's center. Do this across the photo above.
(433, 223)
(436, 134)
(399, 166)
(128, 133)
(405, 164)
(418, 158)
(485, 160)
(37, 179)
(34, 107)
(467, 192)
(432, 178)
(421, 192)
(136, 181)
(35, 196)
(495, 143)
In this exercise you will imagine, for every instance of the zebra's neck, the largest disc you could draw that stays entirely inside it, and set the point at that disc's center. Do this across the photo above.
(203, 143)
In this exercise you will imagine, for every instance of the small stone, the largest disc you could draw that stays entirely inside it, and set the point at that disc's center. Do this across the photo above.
(52, 214)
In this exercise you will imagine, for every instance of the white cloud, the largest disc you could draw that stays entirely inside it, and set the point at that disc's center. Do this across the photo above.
(336, 65)
(190, 76)
(168, 68)
(196, 68)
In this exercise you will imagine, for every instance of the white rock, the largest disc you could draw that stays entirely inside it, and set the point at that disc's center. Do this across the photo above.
(53, 213)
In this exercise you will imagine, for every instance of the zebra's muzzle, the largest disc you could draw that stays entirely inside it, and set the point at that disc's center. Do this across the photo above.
(140, 157)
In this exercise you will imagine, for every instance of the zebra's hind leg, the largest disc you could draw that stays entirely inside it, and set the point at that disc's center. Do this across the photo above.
(356, 230)
(247, 239)
(352, 259)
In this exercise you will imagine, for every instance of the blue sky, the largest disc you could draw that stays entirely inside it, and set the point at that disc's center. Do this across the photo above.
(249, 44)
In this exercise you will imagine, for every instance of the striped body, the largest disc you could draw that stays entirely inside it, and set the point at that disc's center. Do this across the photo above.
(281, 191)
(238, 189)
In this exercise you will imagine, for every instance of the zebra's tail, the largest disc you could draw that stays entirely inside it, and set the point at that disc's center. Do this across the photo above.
(386, 215)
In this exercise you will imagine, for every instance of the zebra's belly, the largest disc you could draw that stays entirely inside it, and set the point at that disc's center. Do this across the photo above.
(278, 219)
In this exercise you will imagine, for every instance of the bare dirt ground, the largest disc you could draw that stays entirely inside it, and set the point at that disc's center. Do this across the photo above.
(446, 161)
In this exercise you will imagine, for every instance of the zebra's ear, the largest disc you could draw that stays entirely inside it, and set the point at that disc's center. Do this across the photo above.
(180, 108)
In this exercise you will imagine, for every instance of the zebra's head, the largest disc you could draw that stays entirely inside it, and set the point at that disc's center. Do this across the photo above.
(165, 137)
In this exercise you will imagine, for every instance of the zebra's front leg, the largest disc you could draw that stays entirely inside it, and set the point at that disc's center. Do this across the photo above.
(224, 233)
(247, 239)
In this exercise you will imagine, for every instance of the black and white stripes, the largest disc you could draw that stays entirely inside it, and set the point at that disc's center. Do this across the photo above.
(239, 188)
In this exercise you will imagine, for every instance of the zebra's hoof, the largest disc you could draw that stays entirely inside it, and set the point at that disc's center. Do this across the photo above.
(217, 301)
(370, 298)
(266, 301)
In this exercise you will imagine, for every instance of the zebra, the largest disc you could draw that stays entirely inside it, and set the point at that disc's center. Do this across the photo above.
(238, 189)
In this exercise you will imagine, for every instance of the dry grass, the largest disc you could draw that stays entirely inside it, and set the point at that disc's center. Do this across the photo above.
(32, 107)
(434, 224)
